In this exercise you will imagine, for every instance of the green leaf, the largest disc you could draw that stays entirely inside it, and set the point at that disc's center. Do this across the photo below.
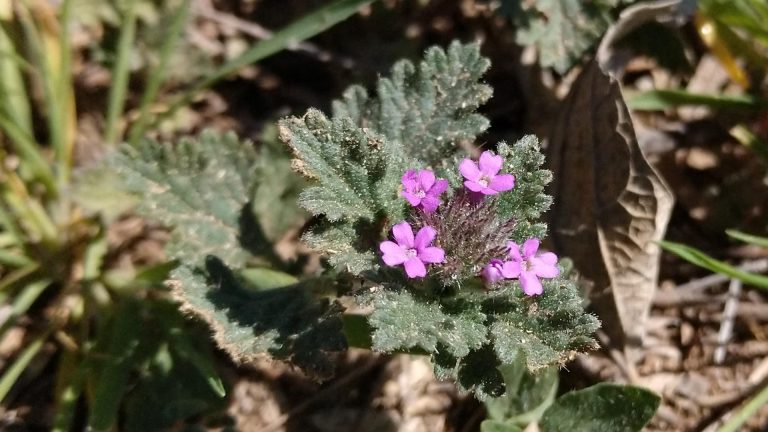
(561, 30)
(547, 329)
(357, 171)
(527, 394)
(499, 426)
(744, 413)
(343, 241)
(427, 109)
(701, 259)
(603, 407)
(287, 323)
(657, 100)
(748, 238)
(200, 188)
(527, 201)
(114, 358)
(471, 334)
(403, 322)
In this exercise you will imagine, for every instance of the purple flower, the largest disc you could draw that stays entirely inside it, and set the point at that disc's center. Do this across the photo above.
(529, 267)
(484, 176)
(493, 272)
(421, 189)
(412, 252)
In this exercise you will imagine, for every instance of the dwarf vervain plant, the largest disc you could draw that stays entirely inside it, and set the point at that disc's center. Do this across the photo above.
(441, 252)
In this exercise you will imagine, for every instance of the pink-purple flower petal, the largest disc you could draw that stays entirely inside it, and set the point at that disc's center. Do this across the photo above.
(530, 283)
(493, 272)
(411, 198)
(439, 187)
(414, 268)
(543, 269)
(468, 169)
(474, 186)
(430, 204)
(426, 179)
(502, 183)
(511, 269)
(432, 255)
(530, 247)
(490, 164)
(410, 179)
(424, 237)
(394, 254)
(514, 251)
(403, 234)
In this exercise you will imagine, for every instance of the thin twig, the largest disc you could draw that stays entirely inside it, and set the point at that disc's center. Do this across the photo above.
(729, 315)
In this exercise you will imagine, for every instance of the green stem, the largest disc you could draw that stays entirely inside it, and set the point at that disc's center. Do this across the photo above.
(120, 73)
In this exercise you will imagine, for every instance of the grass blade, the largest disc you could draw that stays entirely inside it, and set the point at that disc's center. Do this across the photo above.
(13, 373)
(24, 301)
(121, 72)
(158, 73)
(64, 94)
(304, 28)
(656, 100)
(27, 149)
(748, 238)
(13, 94)
(701, 259)
(737, 420)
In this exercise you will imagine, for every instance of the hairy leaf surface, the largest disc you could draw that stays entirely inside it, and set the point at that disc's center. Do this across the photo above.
(202, 190)
(427, 109)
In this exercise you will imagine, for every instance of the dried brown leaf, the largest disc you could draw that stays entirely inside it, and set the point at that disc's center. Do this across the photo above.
(610, 205)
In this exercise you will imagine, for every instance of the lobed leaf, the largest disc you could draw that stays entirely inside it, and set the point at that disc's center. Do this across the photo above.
(427, 109)
(202, 189)
(527, 201)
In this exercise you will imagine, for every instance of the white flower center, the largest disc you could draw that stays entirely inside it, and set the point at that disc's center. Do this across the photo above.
(410, 253)
(420, 193)
(484, 181)
(525, 265)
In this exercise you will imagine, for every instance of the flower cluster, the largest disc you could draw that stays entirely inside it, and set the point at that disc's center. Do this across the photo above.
(476, 236)
(525, 264)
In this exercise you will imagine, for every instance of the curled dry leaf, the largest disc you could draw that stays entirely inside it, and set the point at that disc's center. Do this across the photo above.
(610, 207)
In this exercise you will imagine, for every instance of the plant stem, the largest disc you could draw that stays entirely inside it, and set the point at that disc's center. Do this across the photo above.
(120, 73)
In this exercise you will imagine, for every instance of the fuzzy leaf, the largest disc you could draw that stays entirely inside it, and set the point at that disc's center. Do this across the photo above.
(602, 407)
(357, 171)
(527, 201)
(286, 323)
(547, 330)
(426, 109)
(200, 188)
(471, 334)
(403, 322)
(561, 30)
(348, 253)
